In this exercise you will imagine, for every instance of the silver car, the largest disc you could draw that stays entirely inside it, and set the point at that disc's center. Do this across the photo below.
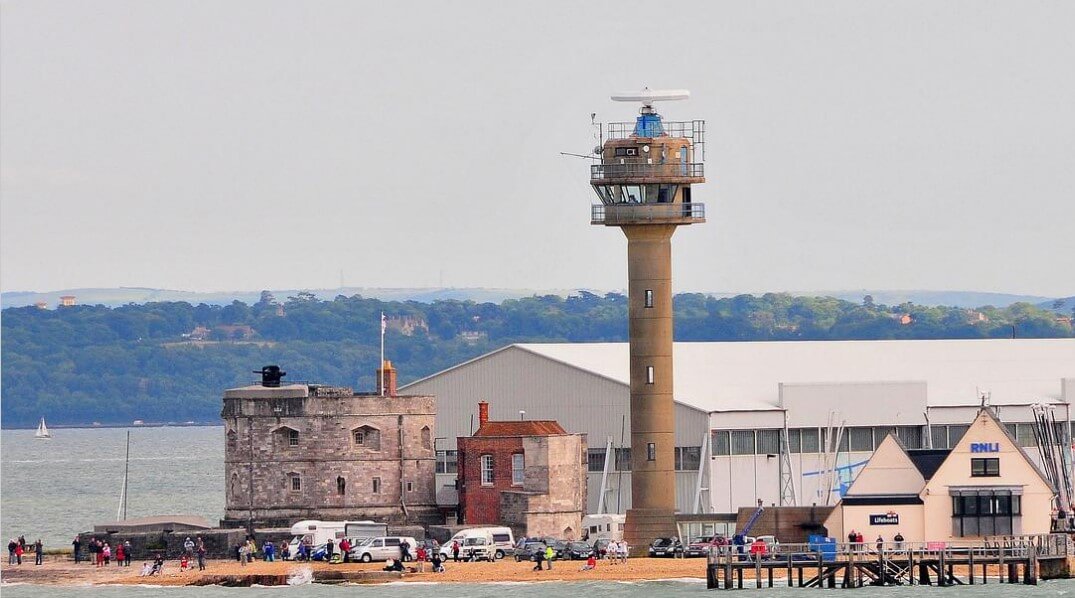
(383, 548)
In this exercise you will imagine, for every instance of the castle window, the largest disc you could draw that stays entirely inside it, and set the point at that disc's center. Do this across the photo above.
(649, 374)
(341, 486)
(487, 470)
(293, 438)
(367, 437)
(427, 438)
(649, 298)
(410, 486)
(295, 482)
(518, 469)
(651, 452)
(376, 485)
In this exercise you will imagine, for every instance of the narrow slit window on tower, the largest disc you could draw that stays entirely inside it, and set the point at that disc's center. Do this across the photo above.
(651, 452)
(649, 374)
(341, 486)
(649, 298)
(376, 485)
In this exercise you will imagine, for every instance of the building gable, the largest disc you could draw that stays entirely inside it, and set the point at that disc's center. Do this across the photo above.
(987, 438)
(889, 472)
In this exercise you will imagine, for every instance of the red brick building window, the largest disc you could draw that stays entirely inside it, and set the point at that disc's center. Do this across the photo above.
(487, 470)
(518, 464)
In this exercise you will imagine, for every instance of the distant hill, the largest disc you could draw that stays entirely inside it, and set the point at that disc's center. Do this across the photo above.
(1061, 305)
(945, 298)
(124, 295)
(114, 297)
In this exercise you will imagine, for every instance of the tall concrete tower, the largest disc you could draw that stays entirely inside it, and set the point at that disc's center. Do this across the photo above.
(644, 183)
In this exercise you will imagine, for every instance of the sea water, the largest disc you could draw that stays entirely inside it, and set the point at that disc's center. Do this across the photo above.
(55, 488)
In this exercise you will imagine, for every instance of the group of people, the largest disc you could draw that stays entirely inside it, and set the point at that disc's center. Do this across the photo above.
(616, 552)
(16, 547)
(101, 552)
(857, 542)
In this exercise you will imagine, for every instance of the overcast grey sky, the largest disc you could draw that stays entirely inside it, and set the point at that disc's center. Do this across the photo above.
(248, 145)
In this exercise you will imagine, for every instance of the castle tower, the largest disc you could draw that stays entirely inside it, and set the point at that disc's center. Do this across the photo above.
(644, 183)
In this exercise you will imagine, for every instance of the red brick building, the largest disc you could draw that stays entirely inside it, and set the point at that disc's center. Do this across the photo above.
(505, 470)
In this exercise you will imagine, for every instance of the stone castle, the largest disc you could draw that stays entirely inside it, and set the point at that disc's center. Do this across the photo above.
(307, 451)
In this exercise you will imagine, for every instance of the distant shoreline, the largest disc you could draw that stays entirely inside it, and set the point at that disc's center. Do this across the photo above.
(112, 426)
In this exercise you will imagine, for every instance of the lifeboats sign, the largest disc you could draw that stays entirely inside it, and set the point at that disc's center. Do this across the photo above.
(889, 518)
(985, 447)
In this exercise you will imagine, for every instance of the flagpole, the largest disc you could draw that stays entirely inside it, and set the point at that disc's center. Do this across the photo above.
(381, 368)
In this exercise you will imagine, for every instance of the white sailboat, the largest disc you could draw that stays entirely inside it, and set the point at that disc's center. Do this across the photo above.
(42, 431)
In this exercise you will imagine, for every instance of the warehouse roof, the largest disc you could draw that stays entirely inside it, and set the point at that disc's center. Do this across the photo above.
(745, 376)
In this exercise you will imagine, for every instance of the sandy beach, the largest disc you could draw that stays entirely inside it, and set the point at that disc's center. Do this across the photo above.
(65, 572)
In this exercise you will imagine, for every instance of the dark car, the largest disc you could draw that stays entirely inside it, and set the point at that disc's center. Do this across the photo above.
(600, 547)
(558, 545)
(525, 551)
(577, 551)
(665, 547)
(700, 545)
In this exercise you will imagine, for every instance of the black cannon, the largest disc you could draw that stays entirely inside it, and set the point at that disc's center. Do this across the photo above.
(271, 375)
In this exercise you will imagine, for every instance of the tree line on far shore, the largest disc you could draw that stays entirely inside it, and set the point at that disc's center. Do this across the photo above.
(170, 362)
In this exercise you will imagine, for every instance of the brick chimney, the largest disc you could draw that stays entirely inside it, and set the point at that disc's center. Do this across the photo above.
(483, 413)
(386, 378)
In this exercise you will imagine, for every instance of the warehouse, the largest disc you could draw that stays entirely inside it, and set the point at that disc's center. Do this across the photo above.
(734, 401)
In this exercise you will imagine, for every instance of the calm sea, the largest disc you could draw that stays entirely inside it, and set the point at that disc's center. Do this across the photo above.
(53, 489)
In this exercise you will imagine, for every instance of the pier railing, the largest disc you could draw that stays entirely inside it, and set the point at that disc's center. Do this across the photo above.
(1013, 547)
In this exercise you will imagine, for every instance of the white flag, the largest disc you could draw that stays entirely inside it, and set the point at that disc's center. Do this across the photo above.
(384, 323)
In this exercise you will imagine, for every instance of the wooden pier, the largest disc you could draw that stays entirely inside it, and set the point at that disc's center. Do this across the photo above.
(1007, 559)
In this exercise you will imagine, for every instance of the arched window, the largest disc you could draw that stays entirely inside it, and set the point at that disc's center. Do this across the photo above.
(427, 438)
(341, 485)
(233, 439)
(234, 486)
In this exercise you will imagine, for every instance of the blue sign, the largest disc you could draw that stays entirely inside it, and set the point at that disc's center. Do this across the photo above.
(985, 447)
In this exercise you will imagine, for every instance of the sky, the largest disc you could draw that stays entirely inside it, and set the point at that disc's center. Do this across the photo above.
(259, 144)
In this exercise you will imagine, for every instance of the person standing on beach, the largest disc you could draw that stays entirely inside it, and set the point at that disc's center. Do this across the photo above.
(244, 550)
(455, 551)
(39, 553)
(201, 555)
(76, 545)
(11, 551)
(98, 553)
(18, 554)
(420, 556)
(121, 554)
(127, 553)
(550, 554)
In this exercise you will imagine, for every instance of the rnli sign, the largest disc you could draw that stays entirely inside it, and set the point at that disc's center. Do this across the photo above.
(889, 518)
(985, 447)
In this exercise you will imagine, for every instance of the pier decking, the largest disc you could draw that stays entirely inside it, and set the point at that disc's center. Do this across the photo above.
(1008, 559)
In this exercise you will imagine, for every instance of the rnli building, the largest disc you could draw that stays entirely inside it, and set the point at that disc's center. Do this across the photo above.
(983, 486)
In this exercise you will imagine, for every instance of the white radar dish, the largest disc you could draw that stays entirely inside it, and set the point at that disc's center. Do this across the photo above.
(647, 96)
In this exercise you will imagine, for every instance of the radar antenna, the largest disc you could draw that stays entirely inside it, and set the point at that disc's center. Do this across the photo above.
(648, 96)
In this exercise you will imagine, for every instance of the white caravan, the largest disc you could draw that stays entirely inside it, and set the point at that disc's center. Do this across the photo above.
(500, 542)
(603, 527)
(319, 532)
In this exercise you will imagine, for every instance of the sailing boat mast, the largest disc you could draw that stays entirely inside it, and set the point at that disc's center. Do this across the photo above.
(121, 512)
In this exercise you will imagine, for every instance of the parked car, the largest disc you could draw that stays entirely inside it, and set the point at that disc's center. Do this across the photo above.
(577, 551)
(499, 538)
(382, 548)
(700, 546)
(600, 547)
(527, 550)
(662, 547)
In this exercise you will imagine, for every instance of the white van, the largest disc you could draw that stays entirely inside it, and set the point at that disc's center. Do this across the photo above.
(383, 548)
(499, 540)
(603, 527)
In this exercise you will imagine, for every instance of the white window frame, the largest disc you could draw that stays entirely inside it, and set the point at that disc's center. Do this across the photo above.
(487, 475)
(518, 469)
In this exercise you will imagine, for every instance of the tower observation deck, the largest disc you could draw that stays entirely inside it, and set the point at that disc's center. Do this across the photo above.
(644, 181)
